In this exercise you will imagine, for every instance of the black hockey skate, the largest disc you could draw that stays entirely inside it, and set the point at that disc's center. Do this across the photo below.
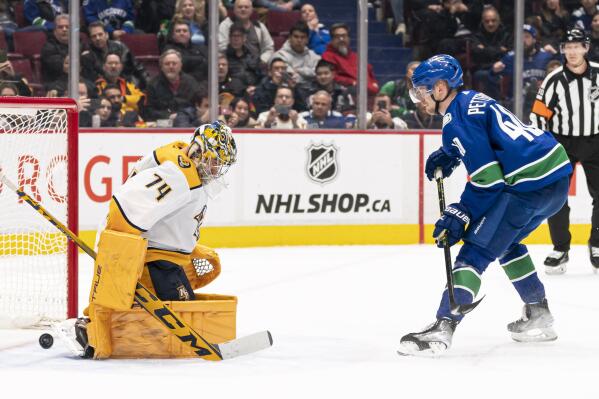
(434, 340)
(556, 261)
(594, 255)
(536, 324)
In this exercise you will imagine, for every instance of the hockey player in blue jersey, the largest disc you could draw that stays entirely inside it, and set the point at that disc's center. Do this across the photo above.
(518, 178)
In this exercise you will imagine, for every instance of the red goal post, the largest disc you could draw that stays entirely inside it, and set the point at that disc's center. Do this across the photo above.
(38, 265)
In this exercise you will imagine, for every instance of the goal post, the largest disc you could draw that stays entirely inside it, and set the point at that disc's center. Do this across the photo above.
(38, 265)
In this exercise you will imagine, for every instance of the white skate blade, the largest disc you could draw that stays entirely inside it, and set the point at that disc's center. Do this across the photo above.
(555, 270)
(65, 331)
(411, 349)
(536, 335)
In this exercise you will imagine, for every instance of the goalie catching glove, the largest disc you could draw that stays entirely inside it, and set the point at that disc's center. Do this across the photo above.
(451, 225)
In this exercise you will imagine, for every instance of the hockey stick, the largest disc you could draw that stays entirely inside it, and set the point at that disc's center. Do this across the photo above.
(155, 307)
(454, 308)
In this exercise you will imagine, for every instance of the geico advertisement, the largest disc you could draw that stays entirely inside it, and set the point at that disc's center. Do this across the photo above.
(579, 200)
(279, 179)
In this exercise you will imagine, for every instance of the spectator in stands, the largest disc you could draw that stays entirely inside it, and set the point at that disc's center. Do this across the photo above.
(196, 114)
(195, 56)
(397, 9)
(228, 83)
(321, 116)
(265, 94)
(8, 75)
(41, 13)
(170, 91)
(60, 86)
(319, 36)
(450, 32)
(112, 73)
(553, 23)
(243, 63)
(92, 57)
(282, 115)
(8, 90)
(84, 105)
(240, 117)
(116, 15)
(423, 12)
(153, 15)
(301, 61)
(345, 60)
(259, 40)
(552, 65)
(581, 17)
(193, 12)
(278, 5)
(122, 115)
(593, 54)
(490, 43)
(534, 69)
(104, 110)
(420, 119)
(55, 49)
(7, 20)
(343, 98)
(398, 91)
(381, 117)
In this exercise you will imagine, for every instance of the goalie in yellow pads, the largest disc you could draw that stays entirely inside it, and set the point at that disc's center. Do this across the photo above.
(152, 229)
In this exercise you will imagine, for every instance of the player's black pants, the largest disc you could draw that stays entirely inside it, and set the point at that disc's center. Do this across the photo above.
(586, 151)
(170, 281)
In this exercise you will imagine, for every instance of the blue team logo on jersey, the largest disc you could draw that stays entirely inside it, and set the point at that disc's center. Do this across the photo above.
(458, 144)
(322, 162)
(446, 119)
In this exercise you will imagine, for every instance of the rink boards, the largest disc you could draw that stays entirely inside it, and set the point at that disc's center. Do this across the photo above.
(302, 187)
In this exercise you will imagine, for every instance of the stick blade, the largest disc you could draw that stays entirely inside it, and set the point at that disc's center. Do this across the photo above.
(463, 309)
(245, 345)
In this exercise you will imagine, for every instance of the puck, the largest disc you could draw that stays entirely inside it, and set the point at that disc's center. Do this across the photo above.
(46, 341)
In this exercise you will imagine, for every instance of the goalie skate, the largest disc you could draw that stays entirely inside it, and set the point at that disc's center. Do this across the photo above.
(433, 340)
(536, 324)
(73, 335)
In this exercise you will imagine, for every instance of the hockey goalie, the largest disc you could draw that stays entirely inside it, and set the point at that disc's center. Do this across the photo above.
(151, 235)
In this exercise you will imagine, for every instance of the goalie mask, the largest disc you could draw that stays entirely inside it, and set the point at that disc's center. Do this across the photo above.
(212, 150)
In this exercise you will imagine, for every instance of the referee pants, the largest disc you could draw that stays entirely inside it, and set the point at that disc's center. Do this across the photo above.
(586, 151)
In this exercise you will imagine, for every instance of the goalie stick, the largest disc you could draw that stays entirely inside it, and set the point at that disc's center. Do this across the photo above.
(158, 309)
(454, 308)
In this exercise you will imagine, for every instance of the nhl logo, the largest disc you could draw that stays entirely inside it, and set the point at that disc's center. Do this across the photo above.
(322, 163)
(594, 93)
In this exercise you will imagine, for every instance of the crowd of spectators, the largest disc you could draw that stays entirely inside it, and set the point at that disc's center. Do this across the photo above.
(307, 82)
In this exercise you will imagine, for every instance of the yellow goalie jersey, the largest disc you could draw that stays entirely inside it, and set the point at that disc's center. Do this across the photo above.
(163, 200)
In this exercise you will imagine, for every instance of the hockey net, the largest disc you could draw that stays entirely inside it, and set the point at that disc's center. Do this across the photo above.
(38, 266)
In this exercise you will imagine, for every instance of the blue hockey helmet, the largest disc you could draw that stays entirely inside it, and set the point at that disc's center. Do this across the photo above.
(439, 67)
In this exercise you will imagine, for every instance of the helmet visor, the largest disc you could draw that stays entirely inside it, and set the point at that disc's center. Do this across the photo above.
(419, 93)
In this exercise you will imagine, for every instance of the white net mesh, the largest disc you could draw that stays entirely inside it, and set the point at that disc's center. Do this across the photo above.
(33, 253)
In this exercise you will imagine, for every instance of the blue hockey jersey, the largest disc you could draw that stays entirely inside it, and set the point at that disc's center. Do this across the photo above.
(115, 14)
(499, 151)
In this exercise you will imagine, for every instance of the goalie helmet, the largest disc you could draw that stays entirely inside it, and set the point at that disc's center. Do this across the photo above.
(213, 150)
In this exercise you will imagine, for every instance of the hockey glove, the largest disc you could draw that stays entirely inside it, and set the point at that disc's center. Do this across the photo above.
(451, 225)
(440, 159)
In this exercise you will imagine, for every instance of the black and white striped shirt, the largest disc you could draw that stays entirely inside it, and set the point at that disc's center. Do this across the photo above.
(568, 104)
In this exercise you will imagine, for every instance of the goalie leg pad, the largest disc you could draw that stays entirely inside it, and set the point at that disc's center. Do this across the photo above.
(117, 269)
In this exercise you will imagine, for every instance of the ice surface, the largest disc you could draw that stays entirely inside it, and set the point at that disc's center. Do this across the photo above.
(337, 314)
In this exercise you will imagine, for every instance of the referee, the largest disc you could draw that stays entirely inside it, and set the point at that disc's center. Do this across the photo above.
(567, 105)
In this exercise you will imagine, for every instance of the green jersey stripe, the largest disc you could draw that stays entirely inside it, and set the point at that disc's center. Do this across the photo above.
(555, 159)
(488, 175)
(519, 268)
(468, 279)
